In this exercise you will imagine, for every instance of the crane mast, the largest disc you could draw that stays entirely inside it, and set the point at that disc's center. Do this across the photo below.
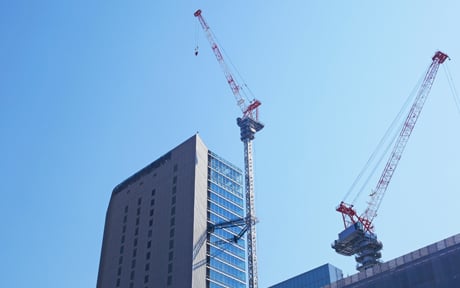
(249, 125)
(359, 237)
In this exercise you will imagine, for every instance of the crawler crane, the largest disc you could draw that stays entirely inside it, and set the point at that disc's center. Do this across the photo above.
(249, 125)
(359, 237)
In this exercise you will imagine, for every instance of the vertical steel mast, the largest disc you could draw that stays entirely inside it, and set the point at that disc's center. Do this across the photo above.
(249, 125)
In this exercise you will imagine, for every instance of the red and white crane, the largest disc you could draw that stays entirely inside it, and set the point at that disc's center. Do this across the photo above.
(359, 238)
(249, 124)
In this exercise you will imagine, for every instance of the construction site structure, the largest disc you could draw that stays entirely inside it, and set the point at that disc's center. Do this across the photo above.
(249, 126)
(359, 237)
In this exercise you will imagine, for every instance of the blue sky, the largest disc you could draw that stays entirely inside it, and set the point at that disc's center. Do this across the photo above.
(92, 91)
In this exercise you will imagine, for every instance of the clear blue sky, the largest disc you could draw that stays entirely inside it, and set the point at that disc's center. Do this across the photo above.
(92, 91)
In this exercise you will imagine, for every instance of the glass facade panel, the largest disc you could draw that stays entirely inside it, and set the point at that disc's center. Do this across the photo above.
(227, 259)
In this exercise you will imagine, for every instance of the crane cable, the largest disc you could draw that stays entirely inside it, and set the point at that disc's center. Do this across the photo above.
(391, 133)
(452, 87)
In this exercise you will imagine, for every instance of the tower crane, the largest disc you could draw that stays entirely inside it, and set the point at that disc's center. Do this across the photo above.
(359, 237)
(249, 125)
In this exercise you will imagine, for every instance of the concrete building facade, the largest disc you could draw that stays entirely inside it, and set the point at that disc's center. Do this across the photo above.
(157, 224)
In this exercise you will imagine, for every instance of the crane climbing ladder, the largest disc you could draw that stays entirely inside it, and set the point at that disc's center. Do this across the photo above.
(249, 126)
(359, 237)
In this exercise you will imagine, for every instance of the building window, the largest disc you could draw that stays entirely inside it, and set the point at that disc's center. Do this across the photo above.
(125, 218)
(120, 260)
(119, 271)
(173, 200)
(171, 244)
(139, 201)
(150, 233)
(149, 244)
(126, 209)
(122, 238)
(133, 264)
(171, 233)
(139, 211)
(170, 268)
(170, 256)
(134, 252)
(151, 223)
(118, 282)
(152, 202)
(135, 242)
(173, 210)
(147, 267)
(174, 190)
(124, 228)
(146, 278)
(151, 212)
(173, 221)
(175, 168)
(175, 180)
(147, 256)
(132, 275)
(169, 281)
(122, 248)
(131, 285)
(153, 192)
(137, 221)
(136, 232)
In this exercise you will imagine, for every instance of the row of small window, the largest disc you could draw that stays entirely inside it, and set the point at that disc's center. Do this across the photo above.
(221, 254)
(229, 247)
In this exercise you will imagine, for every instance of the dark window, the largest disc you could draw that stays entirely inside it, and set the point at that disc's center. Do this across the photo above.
(135, 242)
(136, 232)
(175, 180)
(131, 285)
(139, 201)
(120, 260)
(137, 221)
(151, 212)
(149, 244)
(125, 219)
(147, 256)
(174, 190)
(173, 200)
(169, 282)
(173, 221)
(169, 267)
(146, 278)
(126, 209)
(118, 282)
(153, 192)
(171, 244)
(147, 267)
(123, 239)
(124, 228)
(175, 167)
(132, 275)
(152, 202)
(133, 263)
(171, 233)
(119, 271)
(173, 210)
(122, 248)
(134, 252)
(170, 256)
(139, 211)
(150, 223)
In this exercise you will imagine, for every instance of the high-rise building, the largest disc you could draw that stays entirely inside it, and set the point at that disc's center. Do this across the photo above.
(315, 278)
(157, 229)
